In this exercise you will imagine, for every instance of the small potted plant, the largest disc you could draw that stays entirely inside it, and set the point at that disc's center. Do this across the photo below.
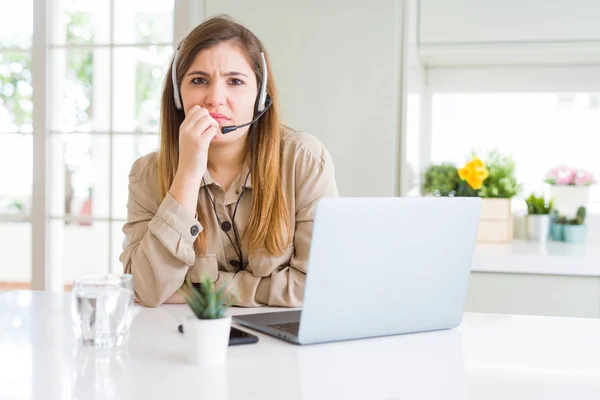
(575, 229)
(207, 331)
(570, 188)
(538, 217)
(494, 179)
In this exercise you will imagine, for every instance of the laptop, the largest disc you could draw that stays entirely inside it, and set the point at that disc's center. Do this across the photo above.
(380, 267)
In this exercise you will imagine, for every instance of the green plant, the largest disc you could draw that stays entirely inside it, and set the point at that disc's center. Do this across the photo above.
(441, 180)
(18, 205)
(207, 302)
(561, 220)
(578, 220)
(579, 217)
(464, 190)
(501, 182)
(538, 205)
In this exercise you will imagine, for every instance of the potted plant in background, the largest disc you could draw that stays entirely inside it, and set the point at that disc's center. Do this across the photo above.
(497, 191)
(575, 229)
(570, 188)
(207, 331)
(538, 217)
(493, 179)
(440, 180)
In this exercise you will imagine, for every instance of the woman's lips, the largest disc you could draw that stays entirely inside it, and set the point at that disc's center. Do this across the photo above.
(220, 118)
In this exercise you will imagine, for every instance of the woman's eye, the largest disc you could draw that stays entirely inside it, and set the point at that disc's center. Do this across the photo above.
(235, 82)
(198, 81)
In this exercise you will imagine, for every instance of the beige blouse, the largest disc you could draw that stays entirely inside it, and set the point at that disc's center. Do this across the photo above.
(158, 249)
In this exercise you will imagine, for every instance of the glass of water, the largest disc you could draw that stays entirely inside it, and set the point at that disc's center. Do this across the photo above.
(101, 307)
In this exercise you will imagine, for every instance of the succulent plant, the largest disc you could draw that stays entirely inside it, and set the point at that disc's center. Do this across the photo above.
(579, 217)
(562, 220)
(206, 302)
(578, 220)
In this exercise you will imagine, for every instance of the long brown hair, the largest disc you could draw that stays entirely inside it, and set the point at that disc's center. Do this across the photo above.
(269, 222)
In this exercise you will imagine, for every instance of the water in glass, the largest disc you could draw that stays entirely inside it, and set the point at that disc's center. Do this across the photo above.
(101, 308)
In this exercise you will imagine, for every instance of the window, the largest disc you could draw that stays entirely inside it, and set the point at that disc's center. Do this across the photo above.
(540, 130)
(106, 65)
(16, 143)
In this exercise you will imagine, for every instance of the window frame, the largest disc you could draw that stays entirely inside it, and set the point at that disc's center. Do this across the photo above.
(46, 273)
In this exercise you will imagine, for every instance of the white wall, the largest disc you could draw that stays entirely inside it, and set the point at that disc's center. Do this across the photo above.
(491, 32)
(337, 68)
(492, 21)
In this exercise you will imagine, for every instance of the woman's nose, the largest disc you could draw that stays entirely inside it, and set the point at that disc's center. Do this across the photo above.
(215, 96)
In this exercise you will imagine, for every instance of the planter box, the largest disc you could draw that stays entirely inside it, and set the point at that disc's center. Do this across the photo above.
(496, 221)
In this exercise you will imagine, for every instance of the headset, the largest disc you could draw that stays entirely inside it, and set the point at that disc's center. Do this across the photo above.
(262, 104)
(263, 101)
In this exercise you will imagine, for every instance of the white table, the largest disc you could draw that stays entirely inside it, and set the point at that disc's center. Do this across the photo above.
(488, 357)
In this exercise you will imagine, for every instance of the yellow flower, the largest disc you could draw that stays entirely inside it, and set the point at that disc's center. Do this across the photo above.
(474, 173)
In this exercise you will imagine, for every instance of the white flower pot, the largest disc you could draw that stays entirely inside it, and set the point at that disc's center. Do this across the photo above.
(567, 198)
(538, 227)
(207, 340)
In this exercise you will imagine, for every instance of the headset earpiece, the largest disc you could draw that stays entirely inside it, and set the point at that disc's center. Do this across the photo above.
(176, 95)
(262, 94)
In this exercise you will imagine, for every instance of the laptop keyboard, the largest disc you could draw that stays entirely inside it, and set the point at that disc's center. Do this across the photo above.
(289, 327)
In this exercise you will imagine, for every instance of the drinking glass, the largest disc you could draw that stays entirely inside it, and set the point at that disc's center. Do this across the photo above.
(101, 308)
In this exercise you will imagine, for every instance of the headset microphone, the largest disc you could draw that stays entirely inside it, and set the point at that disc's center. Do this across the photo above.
(231, 128)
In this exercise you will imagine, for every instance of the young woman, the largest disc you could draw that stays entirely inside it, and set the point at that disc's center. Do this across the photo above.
(223, 198)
